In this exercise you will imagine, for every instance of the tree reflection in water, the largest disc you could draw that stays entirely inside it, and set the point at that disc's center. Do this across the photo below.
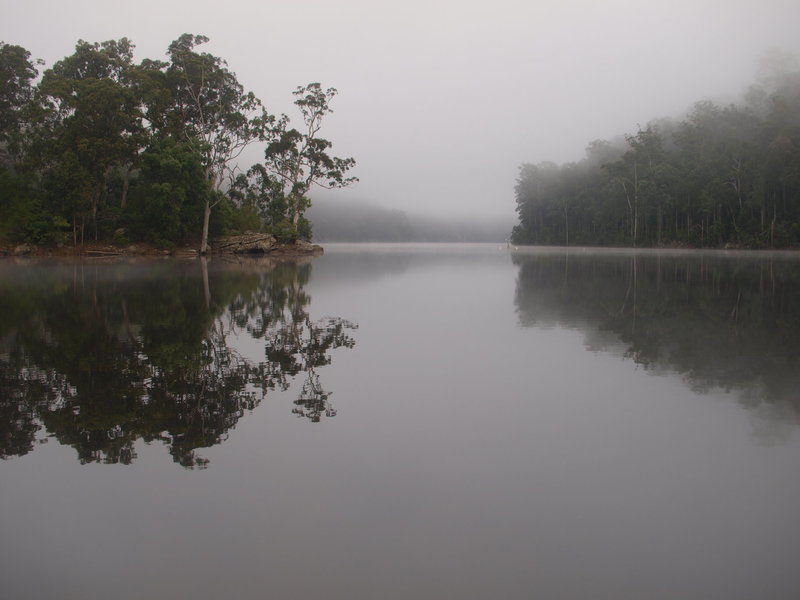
(722, 322)
(101, 356)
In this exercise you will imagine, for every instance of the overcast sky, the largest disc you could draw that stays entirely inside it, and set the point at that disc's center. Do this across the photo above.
(441, 101)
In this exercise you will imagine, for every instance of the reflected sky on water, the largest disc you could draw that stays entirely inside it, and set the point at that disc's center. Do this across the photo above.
(507, 424)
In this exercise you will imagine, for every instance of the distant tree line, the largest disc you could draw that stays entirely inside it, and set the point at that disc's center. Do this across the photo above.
(104, 148)
(722, 176)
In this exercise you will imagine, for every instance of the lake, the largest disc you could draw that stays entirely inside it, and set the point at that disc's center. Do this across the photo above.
(394, 422)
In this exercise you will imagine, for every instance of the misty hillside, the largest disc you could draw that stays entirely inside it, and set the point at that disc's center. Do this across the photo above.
(723, 176)
(335, 220)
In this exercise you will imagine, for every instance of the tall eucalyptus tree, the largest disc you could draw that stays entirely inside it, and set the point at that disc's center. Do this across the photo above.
(211, 111)
(298, 160)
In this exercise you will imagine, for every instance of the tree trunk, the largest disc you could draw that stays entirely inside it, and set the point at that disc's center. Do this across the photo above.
(677, 223)
(95, 201)
(206, 218)
(659, 225)
(772, 227)
(635, 204)
(126, 177)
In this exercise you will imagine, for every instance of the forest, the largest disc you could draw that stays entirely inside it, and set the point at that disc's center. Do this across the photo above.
(723, 176)
(99, 147)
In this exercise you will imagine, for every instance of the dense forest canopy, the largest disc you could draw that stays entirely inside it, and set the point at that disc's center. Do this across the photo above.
(722, 176)
(104, 148)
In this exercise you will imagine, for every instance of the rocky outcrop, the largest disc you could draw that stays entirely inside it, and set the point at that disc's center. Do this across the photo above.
(298, 248)
(24, 250)
(262, 243)
(247, 244)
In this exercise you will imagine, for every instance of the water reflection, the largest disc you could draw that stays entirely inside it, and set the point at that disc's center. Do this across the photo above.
(100, 356)
(722, 322)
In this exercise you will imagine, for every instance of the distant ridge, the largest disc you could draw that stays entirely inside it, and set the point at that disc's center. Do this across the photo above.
(335, 220)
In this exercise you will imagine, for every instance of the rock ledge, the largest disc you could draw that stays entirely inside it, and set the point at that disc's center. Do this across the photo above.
(262, 243)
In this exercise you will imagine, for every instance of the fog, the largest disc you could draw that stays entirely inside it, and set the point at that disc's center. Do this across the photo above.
(344, 220)
(440, 102)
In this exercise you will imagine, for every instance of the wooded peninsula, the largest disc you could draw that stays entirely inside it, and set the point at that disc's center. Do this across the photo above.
(105, 149)
(724, 176)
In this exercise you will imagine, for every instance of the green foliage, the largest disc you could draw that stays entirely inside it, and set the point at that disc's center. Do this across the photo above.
(23, 215)
(723, 176)
(168, 195)
(223, 219)
(296, 161)
(242, 218)
(17, 71)
(304, 229)
(284, 232)
(263, 193)
(149, 148)
(287, 232)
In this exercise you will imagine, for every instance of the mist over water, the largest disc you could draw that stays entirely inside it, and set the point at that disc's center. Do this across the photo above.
(335, 220)
(427, 421)
(487, 423)
(440, 104)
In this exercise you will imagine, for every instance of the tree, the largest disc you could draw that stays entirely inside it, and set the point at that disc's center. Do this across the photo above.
(96, 117)
(299, 160)
(721, 176)
(632, 170)
(17, 71)
(169, 195)
(90, 122)
(258, 190)
(211, 111)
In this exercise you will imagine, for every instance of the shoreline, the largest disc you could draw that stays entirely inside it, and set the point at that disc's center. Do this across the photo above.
(250, 244)
(265, 246)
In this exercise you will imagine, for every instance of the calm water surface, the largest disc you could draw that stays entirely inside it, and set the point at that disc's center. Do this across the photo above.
(402, 422)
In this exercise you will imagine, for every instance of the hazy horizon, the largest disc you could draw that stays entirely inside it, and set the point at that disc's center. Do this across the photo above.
(439, 103)
(351, 220)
